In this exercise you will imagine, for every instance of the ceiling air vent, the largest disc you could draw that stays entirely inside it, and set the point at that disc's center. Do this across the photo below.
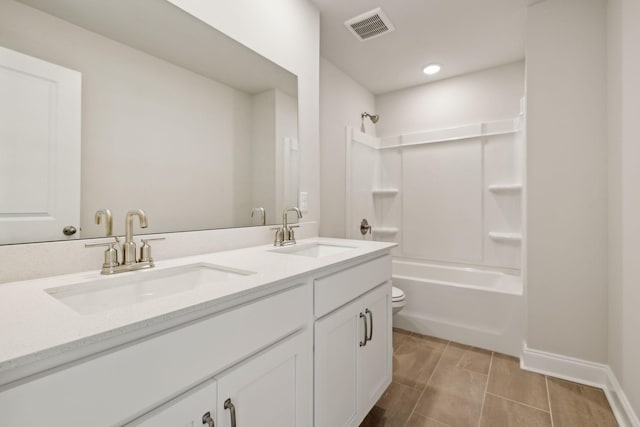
(370, 25)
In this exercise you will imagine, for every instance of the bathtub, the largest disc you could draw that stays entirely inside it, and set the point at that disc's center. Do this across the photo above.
(476, 307)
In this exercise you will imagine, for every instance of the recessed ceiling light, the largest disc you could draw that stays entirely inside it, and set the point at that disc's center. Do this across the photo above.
(431, 69)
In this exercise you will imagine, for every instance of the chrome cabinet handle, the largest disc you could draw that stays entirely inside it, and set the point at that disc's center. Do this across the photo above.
(366, 328)
(229, 405)
(370, 313)
(208, 419)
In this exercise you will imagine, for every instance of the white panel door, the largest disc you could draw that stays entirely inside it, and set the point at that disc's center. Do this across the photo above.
(336, 360)
(194, 408)
(274, 388)
(40, 119)
(374, 365)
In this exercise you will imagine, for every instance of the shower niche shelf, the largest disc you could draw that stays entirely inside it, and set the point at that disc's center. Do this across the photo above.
(505, 237)
(385, 231)
(381, 192)
(505, 188)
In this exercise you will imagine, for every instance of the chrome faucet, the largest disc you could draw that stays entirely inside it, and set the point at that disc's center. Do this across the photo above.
(129, 246)
(112, 263)
(262, 212)
(108, 220)
(285, 235)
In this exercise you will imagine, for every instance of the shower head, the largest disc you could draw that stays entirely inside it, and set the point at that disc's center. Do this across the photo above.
(373, 117)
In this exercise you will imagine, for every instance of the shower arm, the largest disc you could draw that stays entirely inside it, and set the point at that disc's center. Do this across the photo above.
(373, 117)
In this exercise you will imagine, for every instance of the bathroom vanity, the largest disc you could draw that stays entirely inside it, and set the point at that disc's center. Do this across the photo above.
(292, 336)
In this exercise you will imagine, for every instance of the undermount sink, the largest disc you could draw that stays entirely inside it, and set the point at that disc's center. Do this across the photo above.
(314, 250)
(102, 295)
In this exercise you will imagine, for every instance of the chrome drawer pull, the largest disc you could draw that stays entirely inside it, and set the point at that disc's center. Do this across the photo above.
(366, 328)
(370, 313)
(229, 405)
(208, 419)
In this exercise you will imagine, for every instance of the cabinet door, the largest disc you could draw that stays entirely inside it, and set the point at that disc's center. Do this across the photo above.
(273, 388)
(187, 410)
(375, 362)
(337, 338)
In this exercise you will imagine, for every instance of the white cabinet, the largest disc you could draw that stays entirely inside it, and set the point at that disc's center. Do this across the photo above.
(254, 357)
(353, 359)
(273, 388)
(336, 366)
(191, 409)
(139, 377)
(376, 357)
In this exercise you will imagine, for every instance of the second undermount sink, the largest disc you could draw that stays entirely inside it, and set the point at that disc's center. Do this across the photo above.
(314, 250)
(115, 292)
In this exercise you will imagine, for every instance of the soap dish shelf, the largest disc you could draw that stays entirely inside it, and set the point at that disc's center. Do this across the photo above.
(505, 188)
(381, 192)
(505, 237)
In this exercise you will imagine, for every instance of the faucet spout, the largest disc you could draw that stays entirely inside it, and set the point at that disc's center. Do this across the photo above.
(129, 246)
(285, 222)
(262, 212)
(108, 220)
(128, 226)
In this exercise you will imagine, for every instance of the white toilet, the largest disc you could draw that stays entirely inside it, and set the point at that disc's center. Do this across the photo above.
(397, 300)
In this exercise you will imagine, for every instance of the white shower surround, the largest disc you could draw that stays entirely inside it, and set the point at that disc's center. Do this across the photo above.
(473, 296)
(434, 192)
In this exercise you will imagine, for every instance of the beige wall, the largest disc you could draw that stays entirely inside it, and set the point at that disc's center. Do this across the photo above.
(566, 281)
(491, 94)
(150, 129)
(342, 101)
(263, 154)
(289, 38)
(288, 33)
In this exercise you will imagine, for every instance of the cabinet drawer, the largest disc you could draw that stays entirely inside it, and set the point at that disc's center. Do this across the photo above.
(140, 376)
(339, 288)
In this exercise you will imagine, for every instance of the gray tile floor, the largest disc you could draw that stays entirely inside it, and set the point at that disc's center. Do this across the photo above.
(438, 383)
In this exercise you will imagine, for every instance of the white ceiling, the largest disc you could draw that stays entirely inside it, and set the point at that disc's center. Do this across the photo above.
(461, 35)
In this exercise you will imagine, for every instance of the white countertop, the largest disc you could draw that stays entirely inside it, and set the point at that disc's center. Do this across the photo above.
(34, 326)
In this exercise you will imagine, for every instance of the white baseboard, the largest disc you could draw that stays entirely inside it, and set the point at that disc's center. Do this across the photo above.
(583, 372)
(619, 403)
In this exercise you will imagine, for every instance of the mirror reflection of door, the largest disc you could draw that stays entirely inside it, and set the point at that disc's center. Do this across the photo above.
(40, 119)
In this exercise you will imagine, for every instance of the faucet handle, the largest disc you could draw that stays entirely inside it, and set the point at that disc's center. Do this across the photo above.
(116, 242)
(110, 255)
(93, 245)
(364, 227)
(279, 238)
(145, 250)
(292, 235)
(151, 239)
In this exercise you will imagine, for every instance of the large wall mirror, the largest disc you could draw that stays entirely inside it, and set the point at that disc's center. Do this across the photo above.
(124, 104)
